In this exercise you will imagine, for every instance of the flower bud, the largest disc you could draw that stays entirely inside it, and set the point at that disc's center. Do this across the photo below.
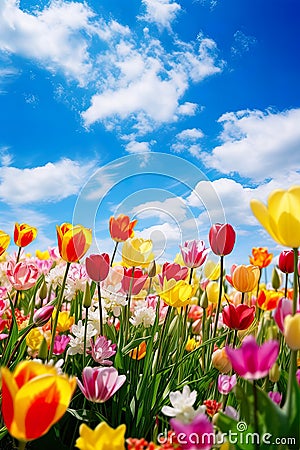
(43, 290)
(292, 331)
(87, 301)
(152, 269)
(274, 373)
(43, 350)
(221, 361)
(276, 282)
(204, 300)
(42, 315)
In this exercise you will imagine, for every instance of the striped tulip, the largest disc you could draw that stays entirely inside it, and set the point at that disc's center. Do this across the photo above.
(73, 241)
(34, 397)
(121, 228)
(24, 234)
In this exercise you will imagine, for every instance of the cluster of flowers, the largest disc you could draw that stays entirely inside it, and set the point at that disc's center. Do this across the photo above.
(116, 346)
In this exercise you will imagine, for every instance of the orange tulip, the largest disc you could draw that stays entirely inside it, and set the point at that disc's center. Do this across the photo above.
(261, 257)
(73, 241)
(121, 228)
(245, 278)
(4, 241)
(34, 397)
(139, 352)
(268, 300)
(24, 234)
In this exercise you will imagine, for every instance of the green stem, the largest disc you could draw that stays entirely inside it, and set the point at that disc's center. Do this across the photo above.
(18, 343)
(100, 308)
(17, 260)
(58, 308)
(114, 254)
(257, 291)
(85, 334)
(295, 283)
(220, 296)
(22, 445)
(286, 284)
(191, 275)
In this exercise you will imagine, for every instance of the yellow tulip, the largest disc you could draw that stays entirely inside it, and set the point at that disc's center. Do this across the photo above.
(137, 252)
(212, 291)
(4, 241)
(34, 339)
(64, 321)
(281, 216)
(292, 331)
(178, 293)
(34, 397)
(103, 437)
(212, 270)
(42, 255)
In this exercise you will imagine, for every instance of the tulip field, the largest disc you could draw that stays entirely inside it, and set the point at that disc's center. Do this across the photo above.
(100, 352)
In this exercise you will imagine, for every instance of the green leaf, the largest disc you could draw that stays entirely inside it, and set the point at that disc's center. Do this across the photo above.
(133, 344)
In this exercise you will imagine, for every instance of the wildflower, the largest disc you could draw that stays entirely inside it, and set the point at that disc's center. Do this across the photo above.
(220, 360)
(101, 350)
(97, 266)
(182, 405)
(222, 238)
(76, 344)
(121, 228)
(245, 278)
(194, 253)
(103, 437)
(260, 257)
(100, 383)
(22, 275)
(24, 234)
(4, 241)
(226, 383)
(286, 261)
(73, 241)
(34, 397)
(252, 361)
(200, 429)
(275, 396)
(280, 217)
(143, 316)
(238, 317)
(292, 331)
(212, 407)
(60, 343)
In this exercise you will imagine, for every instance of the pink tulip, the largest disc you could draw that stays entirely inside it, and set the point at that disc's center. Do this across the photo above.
(22, 275)
(226, 383)
(275, 396)
(283, 309)
(298, 376)
(172, 270)
(97, 267)
(60, 343)
(136, 281)
(194, 253)
(100, 383)
(43, 315)
(101, 350)
(199, 434)
(252, 361)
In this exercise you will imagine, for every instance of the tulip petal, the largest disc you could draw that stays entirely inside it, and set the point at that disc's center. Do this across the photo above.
(9, 391)
(261, 213)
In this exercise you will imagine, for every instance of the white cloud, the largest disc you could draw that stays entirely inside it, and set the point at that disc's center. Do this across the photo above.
(161, 12)
(52, 36)
(187, 141)
(242, 43)
(173, 207)
(6, 158)
(258, 145)
(51, 182)
(144, 83)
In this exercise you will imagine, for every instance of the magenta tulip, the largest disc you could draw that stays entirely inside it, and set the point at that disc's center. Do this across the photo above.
(43, 315)
(226, 383)
(97, 266)
(222, 238)
(252, 361)
(199, 434)
(283, 309)
(194, 253)
(238, 317)
(100, 383)
(22, 275)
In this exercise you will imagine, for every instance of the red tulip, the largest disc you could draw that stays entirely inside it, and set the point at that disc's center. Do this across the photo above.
(121, 228)
(172, 270)
(138, 280)
(97, 267)
(238, 317)
(286, 261)
(222, 238)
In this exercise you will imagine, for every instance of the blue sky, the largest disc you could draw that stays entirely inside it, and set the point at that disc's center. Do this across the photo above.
(176, 112)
